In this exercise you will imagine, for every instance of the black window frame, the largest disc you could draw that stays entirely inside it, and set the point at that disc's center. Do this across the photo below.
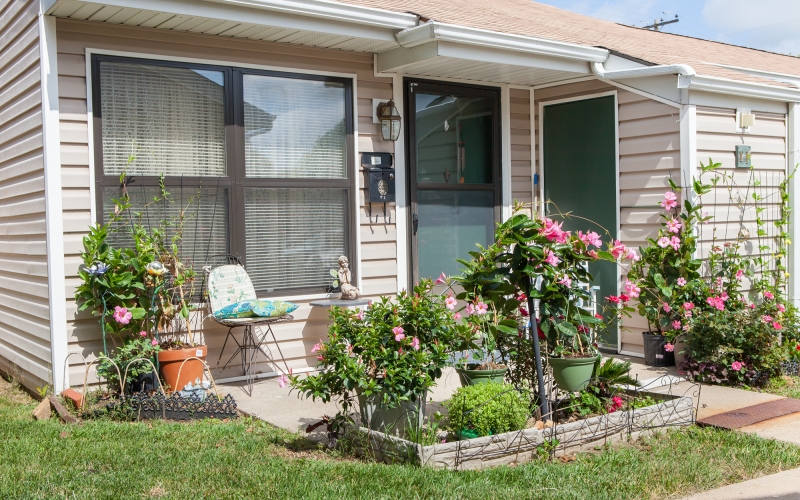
(235, 180)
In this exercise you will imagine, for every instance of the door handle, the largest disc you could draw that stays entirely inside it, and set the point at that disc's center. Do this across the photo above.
(414, 222)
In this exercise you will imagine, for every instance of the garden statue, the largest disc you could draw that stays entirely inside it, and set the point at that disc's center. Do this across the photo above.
(349, 292)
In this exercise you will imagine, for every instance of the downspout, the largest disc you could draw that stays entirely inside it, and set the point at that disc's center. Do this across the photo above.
(684, 71)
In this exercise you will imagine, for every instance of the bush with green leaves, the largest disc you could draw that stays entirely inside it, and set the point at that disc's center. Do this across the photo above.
(487, 409)
(131, 359)
(396, 347)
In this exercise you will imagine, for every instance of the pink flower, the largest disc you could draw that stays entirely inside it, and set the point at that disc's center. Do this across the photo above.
(469, 310)
(752, 306)
(669, 201)
(624, 298)
(632, 255)
(669, 347)
(681, 281)
(450, 302)
(360, 315)
(598, 316)
(781, 308)
(739, 274)
(777, 325)
(688, 314)
(768, 295)
(613, 298)
(552, 231)
(663, 242)
(736, 366)
(618, 250)
(632, 289)
(415, 343)
(283, 381)
(688, 306)
(122, 315)
(481, 308)
(674, 226)
(766, 318)
(524, 312)
(457, 316)
(716, 302)
(593, 254)
(143, 333)
(665, 307)
(398, 333)
(566, 281)
(317, 347)
(550, 257)
(590, 238)
(441, 279)
(154, 342)
(675, 242)
(676, 324)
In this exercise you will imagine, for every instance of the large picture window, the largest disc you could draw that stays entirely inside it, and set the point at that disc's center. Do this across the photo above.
(265, 157)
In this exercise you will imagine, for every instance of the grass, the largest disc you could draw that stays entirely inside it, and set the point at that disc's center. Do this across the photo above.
(251, 459)
(783, 386)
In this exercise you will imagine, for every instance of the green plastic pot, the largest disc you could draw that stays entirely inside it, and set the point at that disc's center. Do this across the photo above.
(573, 374)
(476, 377)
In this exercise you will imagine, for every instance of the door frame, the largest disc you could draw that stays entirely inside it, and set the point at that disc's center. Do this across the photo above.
(501, 158)
(542, 178)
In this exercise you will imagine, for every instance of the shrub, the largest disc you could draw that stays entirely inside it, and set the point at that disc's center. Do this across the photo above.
(487, 409)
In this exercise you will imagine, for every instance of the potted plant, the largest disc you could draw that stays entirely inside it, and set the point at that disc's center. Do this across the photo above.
(142, 292)
(537, 250)
(386, 357)
(666, 278)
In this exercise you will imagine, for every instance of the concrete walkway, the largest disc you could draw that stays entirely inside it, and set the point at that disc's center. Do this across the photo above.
(783, 485)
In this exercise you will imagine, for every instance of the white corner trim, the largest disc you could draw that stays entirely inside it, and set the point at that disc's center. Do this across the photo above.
(54, 222)
(689, 163)
(505, 165)
(535, 195)
(793, 146)
(401, 195)
(432, 30)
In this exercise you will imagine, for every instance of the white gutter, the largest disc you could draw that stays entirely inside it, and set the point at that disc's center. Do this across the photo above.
(747, 89)
(331, 10)
(433, 31)
(685, 73)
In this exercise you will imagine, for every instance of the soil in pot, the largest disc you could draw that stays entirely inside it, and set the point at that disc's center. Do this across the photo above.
(485, 373)
(573, 374)
(397, 421)
(178, 374)
(654, 352)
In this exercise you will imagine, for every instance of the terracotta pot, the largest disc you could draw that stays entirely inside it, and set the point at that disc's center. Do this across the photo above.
(192, 369)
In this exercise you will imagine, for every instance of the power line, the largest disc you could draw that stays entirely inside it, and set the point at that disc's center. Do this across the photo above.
(767, 26)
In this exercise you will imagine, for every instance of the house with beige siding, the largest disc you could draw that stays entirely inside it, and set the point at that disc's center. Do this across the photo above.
(266, 109)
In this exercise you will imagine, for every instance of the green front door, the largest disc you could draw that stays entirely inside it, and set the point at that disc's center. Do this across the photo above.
(454, 152)
(580, 178)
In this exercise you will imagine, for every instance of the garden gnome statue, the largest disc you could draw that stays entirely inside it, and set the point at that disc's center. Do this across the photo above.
(349, 292)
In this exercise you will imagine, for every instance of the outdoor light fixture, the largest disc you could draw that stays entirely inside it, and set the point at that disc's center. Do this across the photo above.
(390, 120)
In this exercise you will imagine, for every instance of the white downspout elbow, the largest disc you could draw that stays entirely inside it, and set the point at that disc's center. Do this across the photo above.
(684, 71)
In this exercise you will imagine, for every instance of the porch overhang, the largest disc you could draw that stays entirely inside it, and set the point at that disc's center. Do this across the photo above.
(441, 50)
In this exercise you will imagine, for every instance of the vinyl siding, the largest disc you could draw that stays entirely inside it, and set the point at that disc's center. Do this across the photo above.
(717, 139)
(649, 154)
(24, 304)
(521, 147)
(378, 240)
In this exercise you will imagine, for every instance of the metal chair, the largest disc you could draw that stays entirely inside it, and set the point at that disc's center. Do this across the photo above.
(227, 282)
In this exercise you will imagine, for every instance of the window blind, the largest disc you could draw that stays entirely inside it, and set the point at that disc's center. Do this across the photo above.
(172, 120)
(205, 227)
(294, 236)
(294, 128)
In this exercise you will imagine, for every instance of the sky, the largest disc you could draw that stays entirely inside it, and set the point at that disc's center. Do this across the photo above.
(772, 25)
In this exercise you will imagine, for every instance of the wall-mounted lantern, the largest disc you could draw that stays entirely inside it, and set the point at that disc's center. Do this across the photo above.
(390, 120)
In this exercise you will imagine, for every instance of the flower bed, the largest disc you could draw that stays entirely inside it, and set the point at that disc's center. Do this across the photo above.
(527, 444)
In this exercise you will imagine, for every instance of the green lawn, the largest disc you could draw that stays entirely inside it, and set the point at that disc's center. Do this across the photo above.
(251, 459)
(783, 386)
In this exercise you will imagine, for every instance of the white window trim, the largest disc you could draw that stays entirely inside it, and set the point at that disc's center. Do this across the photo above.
(157, 57)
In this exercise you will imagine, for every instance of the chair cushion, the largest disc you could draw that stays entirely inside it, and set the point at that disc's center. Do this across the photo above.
(235, 310)
(272, 308)
(229, 285)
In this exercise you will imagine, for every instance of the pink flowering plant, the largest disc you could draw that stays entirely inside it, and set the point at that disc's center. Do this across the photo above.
(396, 347)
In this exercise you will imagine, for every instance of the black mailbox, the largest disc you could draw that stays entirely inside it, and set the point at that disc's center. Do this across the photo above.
(381, 176)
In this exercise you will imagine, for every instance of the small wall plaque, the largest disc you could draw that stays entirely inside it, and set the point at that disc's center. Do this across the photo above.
(743, 157)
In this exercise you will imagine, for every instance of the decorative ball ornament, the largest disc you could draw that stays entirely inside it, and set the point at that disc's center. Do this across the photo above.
(383, 187)
(155, 268)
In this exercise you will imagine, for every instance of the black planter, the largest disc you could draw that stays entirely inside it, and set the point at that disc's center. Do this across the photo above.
(145, 382)
(654, 352)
